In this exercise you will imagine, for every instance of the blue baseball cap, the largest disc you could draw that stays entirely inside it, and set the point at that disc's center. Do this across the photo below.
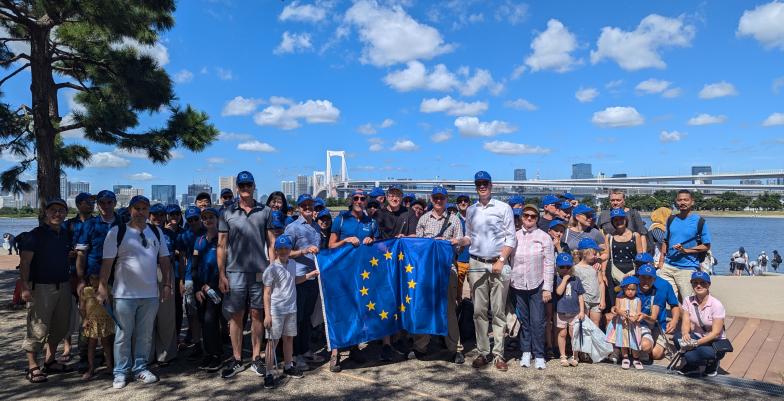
(283, 242)
(643, 257)
(394, 187)
(549, 200)
(158, 208)
(564, 259)
(482, 176)
(245, 177)
(581, 209)
(377, 191)
(463, 196)
(56, 201)
(565, 205)
(700, 275)
(358, 191)
(409, 195)
(211, 210)
(630, 280)
(439, 191)
(587, 243)
(106, 194)
(304, 198)
(617, 212)
(225, 191)
(318, 202)
(192, 211)
(567, 195)
(647, 270)
(277, 219)
(84, 196)
(556, 222)
(172, 208)
(515, 200)
(324, 213)
(517, 212)
(139, 198)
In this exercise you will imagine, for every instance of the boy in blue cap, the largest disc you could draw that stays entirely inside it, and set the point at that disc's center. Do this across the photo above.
(569, 304)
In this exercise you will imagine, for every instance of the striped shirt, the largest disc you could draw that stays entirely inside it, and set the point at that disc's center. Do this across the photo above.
(430, 225)
(533, 260)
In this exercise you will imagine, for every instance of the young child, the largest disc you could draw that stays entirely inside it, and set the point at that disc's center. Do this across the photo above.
(97, 324)
(570, 304)
(591, 279)
(624, 330)
(280, 303)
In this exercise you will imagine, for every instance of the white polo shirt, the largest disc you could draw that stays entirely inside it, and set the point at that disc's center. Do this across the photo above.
(490, 227)
(136, 271)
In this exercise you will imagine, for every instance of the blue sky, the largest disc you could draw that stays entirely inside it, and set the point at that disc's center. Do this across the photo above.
(423, 89)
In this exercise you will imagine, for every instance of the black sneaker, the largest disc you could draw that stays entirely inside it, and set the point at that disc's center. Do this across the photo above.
(711, 369)
(386, 353)
(232, 368)
(292, 371)
(418, 355)
(214, 365)
(258, 367)
(269, 381)
(205, 362)
(458, 358)
(689, 370)
(196, 354)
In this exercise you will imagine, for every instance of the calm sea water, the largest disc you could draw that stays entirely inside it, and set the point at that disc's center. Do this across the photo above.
(728, 233)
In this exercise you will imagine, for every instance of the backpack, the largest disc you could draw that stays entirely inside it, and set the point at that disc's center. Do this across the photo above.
(700, 224)
(650, 243)
(465, 320)
(777, 259)
(121, 229)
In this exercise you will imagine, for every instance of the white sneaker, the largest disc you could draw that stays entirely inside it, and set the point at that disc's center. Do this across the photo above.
(525, 360)
(119, 382)
(540, 363)
(301, 363)
(146, 377)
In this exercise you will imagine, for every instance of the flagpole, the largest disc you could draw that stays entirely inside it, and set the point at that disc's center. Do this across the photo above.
(323, 308)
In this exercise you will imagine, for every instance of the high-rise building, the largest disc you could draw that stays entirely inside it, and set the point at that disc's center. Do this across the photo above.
(519, 174)
(581, 171)
(125, 194)
(165, 194)
(302, 185)
(288, 188)
(116, 188)
(63, 186)
(701, 170)
(228, 182)
(195, 189)
(77, 187)
(30, 197)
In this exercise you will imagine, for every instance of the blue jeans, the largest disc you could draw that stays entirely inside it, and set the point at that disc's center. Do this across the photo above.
(529, 308)
(699, 356)
(133, 333)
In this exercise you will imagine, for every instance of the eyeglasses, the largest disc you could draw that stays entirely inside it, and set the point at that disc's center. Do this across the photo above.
(227, 197)
(480, 184)
(144, 240)
(530, 215)
(700, 283)
(306, 207)
(59, 211)
(463, 201)
(359, 198)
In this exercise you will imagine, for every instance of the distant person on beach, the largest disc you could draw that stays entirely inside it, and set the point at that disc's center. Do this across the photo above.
(762, 261)
(776, 261)
(11, 240)
(741, 261)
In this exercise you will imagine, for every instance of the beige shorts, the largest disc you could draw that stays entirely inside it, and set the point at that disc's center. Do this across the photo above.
(47, 315)
(653, 335)
(563, 319)
(283, 325)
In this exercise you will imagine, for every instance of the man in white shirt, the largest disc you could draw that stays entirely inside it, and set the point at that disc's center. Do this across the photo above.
(490, 232)
(135, 253)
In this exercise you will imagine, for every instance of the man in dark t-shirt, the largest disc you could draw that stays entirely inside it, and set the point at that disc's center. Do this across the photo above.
(391, 218)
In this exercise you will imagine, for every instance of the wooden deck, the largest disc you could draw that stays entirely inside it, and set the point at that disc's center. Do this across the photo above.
(759, 349)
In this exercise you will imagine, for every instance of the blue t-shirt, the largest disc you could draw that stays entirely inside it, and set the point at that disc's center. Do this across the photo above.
(684, 231)
(662, 295)
(75, 226)
(92, 236)
(304, 235)
(184, 245)
(463, 256)
(346, 225)
(207, 271)
(170, 239)
(569, 302)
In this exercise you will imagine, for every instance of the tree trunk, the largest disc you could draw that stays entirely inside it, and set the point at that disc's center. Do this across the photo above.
(42, 101)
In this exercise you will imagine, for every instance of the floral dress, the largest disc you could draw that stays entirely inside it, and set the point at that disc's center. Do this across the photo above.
(98, 323)
(621, 333)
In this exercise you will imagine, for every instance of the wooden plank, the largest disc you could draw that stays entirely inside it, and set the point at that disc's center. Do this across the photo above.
(749, 353)
(760, 365)
(737, 326)
(775, 373)
(739, 343)
(728, 322)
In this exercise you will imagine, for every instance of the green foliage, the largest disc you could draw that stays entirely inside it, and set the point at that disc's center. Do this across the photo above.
(727, 201)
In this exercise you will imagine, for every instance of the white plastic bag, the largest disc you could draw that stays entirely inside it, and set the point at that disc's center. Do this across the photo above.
(590, 339)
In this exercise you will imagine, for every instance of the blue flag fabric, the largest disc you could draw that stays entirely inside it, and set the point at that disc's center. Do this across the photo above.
(371, 291)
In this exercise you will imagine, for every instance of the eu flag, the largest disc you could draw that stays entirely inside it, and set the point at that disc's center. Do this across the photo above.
(371, 291)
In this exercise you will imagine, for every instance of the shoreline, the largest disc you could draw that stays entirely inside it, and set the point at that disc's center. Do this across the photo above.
(708, 213)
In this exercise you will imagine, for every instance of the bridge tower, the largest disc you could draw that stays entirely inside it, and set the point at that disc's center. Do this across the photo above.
(328, 186)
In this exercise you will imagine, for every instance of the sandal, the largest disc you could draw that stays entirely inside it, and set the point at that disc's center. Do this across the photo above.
(573, 362)
(625, 364)
(564, 361)
(55, 367)
(35, 375)
(64, 358)
(88, 375)
(637, 364)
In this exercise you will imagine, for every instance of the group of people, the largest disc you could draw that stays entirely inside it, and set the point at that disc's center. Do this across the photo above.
(740, 262)
(138, 272)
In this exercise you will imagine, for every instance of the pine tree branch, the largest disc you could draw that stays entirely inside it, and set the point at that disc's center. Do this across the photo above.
(20, 56)
(70, 85)
(9, 76)
(69, 127)
(18, 15)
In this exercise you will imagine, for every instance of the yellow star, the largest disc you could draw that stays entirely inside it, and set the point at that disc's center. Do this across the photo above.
(409, 268)
(384, 314)
(388, 255)
(400, 256)
(363, 291)
(411, 284)
(402, 307)
(371, 305)
(408, 299)
(365, 274)
(374, 262)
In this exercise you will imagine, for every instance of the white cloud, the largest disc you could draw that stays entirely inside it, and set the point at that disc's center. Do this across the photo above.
(183, 77)
(707, 119)
(143, 176)
(367, 129)
(176, 155)
(653, 86)
(232, 136)
(404, 145)
(719, 89)
(303, 13)
(471, 126)
(224, 74)
(512, 12)
(68, 119)
(416, 76)
(312, 111)
(293, 42)
(216, 160)
(441, 136)
(585, 95)
(638, 49)
(518, 71)
(134, 154)
(388, 122)
(157, 52)
(774, 119)
(376, 144)
(481, 79)
(452, 107)
(520, 104)
(107, 160)
(617, 117)
(765, 23)
(511, 148)
(391, 36)
(670, 136)
(671, 93)
(256, 146)
(778, 83)
(241, 106)
(552, 48)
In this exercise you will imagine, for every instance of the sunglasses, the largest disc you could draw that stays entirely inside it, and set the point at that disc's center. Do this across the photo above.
(438, 198)
(306, 207)
(529, 215)
(480, 184)
(702, 284)
(227, 197)
(588, 215)
(144, 240)
(359, 198)
(462, 201)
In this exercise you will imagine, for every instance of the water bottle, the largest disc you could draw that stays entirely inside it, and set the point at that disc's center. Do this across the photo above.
(506, 272)
(189, 293)
(216, 299)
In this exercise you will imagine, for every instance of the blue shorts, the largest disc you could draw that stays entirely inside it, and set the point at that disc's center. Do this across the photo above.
(243, 290)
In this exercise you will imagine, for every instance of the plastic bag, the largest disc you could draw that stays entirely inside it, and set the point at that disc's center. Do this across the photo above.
(590, 339)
